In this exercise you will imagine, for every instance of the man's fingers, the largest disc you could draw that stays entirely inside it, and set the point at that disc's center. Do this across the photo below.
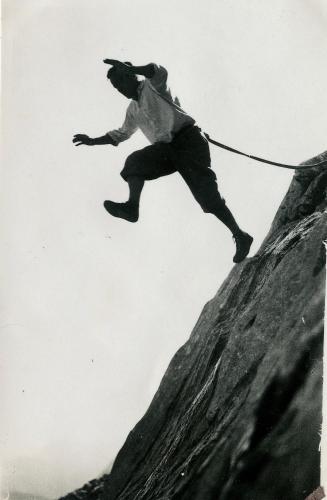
(82, 138)
(110, 61)
(78, 140)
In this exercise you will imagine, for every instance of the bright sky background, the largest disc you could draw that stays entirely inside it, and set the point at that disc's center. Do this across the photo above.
(93, 308)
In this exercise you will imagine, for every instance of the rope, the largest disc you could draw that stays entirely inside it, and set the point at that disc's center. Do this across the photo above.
(276, 164)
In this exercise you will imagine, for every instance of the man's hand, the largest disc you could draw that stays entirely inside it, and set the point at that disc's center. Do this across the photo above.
(83, 139)
(147, 70)
(117, 64)
(122, 67)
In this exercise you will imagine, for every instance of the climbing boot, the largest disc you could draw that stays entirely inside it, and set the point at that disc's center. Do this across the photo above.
(128, 211)
(243, 243)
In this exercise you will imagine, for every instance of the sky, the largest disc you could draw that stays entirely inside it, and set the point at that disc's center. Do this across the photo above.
(93, 308)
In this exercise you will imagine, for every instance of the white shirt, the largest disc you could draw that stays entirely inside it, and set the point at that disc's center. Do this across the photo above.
(155, 112)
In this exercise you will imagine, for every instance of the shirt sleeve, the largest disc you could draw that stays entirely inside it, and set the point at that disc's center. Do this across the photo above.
(159, 79)
(128, 128)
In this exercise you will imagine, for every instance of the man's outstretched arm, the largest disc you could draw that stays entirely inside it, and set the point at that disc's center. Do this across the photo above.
(148, 70)
(88, 141)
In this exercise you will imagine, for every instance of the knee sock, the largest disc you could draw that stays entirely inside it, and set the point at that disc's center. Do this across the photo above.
(223, 213)
(135, 189)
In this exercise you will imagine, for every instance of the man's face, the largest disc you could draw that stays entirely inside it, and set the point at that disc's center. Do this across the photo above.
(125, 84)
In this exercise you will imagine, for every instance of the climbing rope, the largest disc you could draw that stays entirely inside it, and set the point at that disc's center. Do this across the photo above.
(262, 160)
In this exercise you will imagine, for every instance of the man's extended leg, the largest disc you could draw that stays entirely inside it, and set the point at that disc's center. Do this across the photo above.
(193, 160)
(203, 185)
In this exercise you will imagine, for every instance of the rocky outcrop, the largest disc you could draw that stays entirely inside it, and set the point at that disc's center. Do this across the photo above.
(238, 412)
(318, 494)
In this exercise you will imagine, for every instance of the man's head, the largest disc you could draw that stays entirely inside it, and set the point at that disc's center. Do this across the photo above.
(125, 83)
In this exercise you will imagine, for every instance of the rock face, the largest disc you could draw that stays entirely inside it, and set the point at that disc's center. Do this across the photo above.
(238, 412)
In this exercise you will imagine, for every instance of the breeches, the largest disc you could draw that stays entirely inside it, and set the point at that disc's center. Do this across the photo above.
(188, 153)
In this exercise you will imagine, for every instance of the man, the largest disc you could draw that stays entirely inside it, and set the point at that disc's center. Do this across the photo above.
(177, 145)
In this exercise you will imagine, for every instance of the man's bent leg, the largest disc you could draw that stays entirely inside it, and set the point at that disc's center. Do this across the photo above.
(149, 163)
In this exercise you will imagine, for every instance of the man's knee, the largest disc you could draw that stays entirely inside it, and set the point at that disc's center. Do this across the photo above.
(208, 196)
(131, 166)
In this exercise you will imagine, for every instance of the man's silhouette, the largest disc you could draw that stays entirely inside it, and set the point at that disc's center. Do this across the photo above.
(177, 145)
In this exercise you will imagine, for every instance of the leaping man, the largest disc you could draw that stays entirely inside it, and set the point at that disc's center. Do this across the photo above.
(177, 145)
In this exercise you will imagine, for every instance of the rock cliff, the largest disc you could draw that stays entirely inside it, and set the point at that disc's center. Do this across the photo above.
(238, 411)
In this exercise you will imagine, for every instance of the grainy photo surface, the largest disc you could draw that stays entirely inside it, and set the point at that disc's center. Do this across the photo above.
(162, 301)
